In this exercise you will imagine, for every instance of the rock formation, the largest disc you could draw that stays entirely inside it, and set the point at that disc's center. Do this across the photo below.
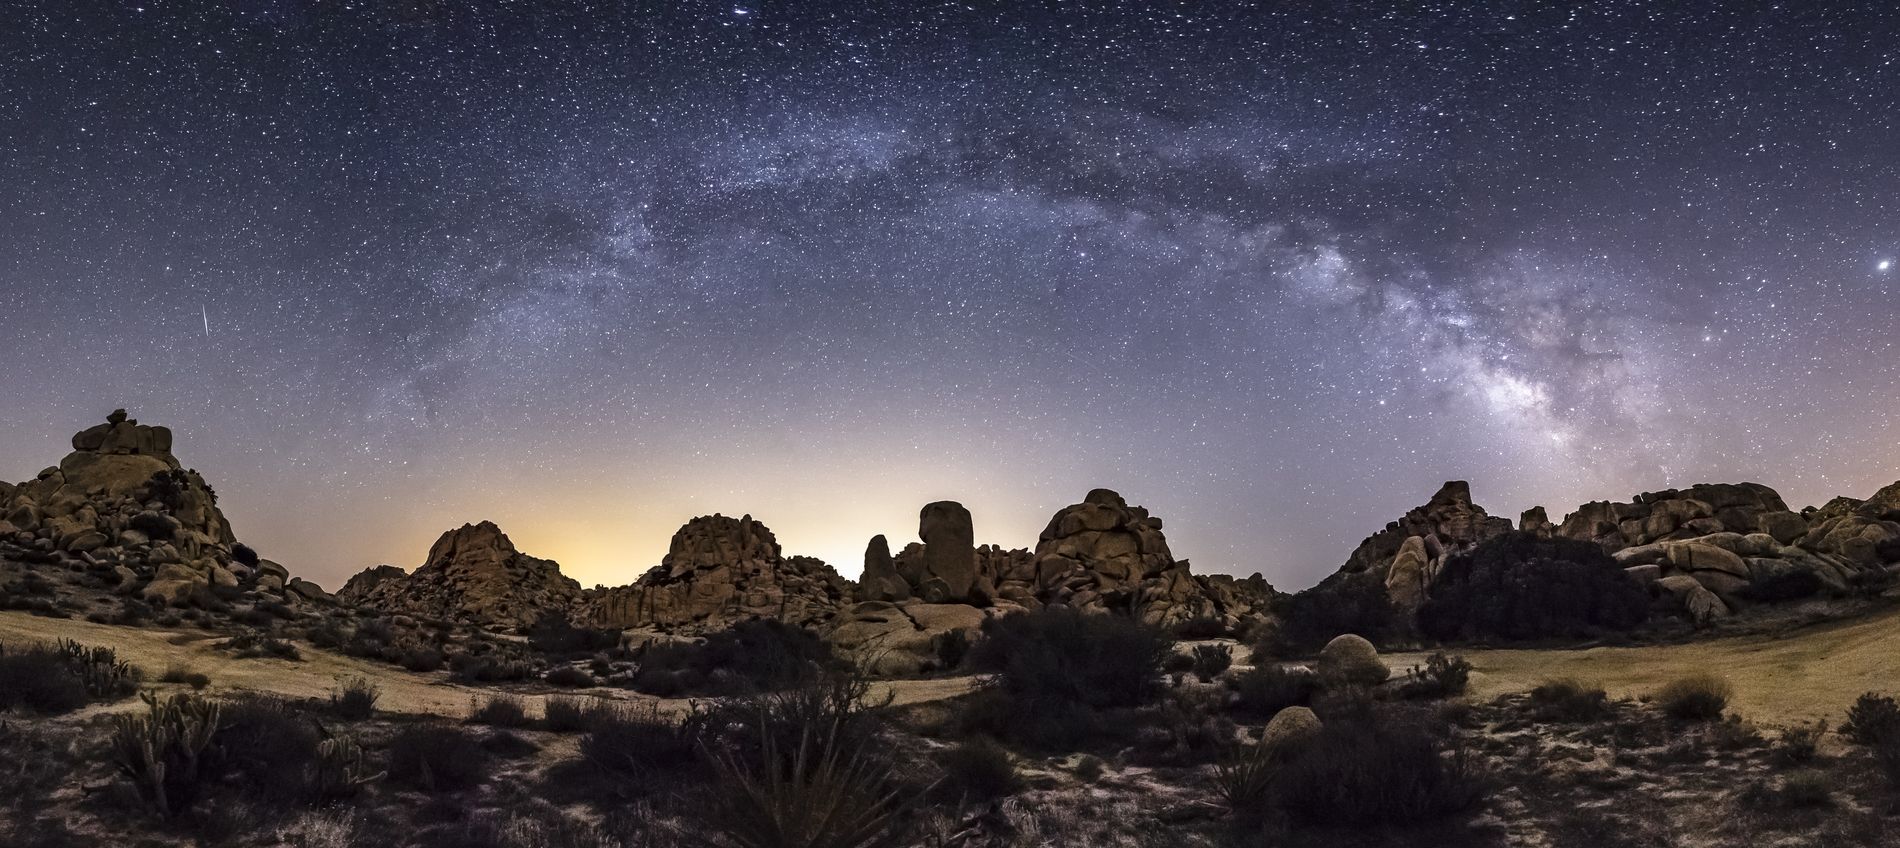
(122, 504)
(719, 571)
(1713, 548)
(1406, 556)
(473, 575)
(1100, 555)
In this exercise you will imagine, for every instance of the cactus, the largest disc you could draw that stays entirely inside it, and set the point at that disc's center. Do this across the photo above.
(160, 752)
(99, 669)
(341, 768)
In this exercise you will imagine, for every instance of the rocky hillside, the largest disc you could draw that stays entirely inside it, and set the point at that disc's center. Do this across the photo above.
(473, 575)
(717, 571)
(1704, 552)
(123, 511)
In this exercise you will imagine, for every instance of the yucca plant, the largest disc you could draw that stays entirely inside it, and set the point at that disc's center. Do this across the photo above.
(1244, 777)
(826, 792)
(160, 751)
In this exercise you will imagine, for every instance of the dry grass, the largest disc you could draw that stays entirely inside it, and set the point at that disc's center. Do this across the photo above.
(1810, 675)
(320, 671)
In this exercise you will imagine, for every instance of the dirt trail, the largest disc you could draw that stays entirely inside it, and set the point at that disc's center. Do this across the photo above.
(154, 649)
(1811, 674)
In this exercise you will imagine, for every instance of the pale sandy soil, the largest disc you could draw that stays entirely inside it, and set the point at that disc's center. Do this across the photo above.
(1811, 674)
(154, 649)
(1814, 673)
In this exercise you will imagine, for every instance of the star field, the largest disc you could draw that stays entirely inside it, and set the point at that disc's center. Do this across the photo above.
(1273, 270)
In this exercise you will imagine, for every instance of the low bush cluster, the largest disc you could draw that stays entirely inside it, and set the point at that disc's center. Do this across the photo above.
(437, 758)
(749, 658)
(63, 677)
(1521, 586)
(1055, 671)
(1313, 617)
(1568, 700)
(1264, 690)
(1442, 676)
(1700, 697)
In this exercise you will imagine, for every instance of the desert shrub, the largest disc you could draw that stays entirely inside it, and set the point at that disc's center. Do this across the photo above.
(435, 758)
(160, 752)
(750, 657)
(570, 715)
(640, 750)
(39, 679)
(1177, 663)
(1210, 661)
(1442, 676)
(355, 699)
(244, 555)
(421, 659)
(179, 674)
(1264, 690)
(1522, 586)
(951, 648)
(1873, 719)
(1203, 627)
(1799, 744)
(978, 770)
(1359, 774)
(248, 645)
(1089, 768)
(570, 677)
(1568, 700)
(1799, 790)
(1698, 697)
(1311, 618)
(267, 745)
(500, 711)
(555, 635)
(827, 788)
(472, 668)
(1055, 669)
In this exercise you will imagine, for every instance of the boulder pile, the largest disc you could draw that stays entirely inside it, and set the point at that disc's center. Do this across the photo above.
(1407, 555)
(122, 505)
(1100, 555)
(473, 575)
(717, 572)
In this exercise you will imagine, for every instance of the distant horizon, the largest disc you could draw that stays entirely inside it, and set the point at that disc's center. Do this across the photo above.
(535, 538)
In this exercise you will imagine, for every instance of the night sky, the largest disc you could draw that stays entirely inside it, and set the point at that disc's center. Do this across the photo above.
(1274, 270)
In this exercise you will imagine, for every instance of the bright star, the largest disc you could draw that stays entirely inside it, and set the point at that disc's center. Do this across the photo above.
(1885, 264)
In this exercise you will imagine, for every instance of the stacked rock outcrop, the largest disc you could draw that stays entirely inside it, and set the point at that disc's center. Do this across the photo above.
(122, 504)
(719, 571)
(1100, 555)
(1406, 556)
(473, 575)
(1714, 548)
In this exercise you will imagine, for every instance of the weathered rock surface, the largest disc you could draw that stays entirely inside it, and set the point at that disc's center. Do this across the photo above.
(1407, 555)
(121, 503)
(888, 638)
(473, 574)
(1103, 554)
(1351, 660)
(719, 571)
(1740, 544)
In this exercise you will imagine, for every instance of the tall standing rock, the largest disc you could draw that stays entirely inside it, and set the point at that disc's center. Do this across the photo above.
(880, 581)
(949, 561)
